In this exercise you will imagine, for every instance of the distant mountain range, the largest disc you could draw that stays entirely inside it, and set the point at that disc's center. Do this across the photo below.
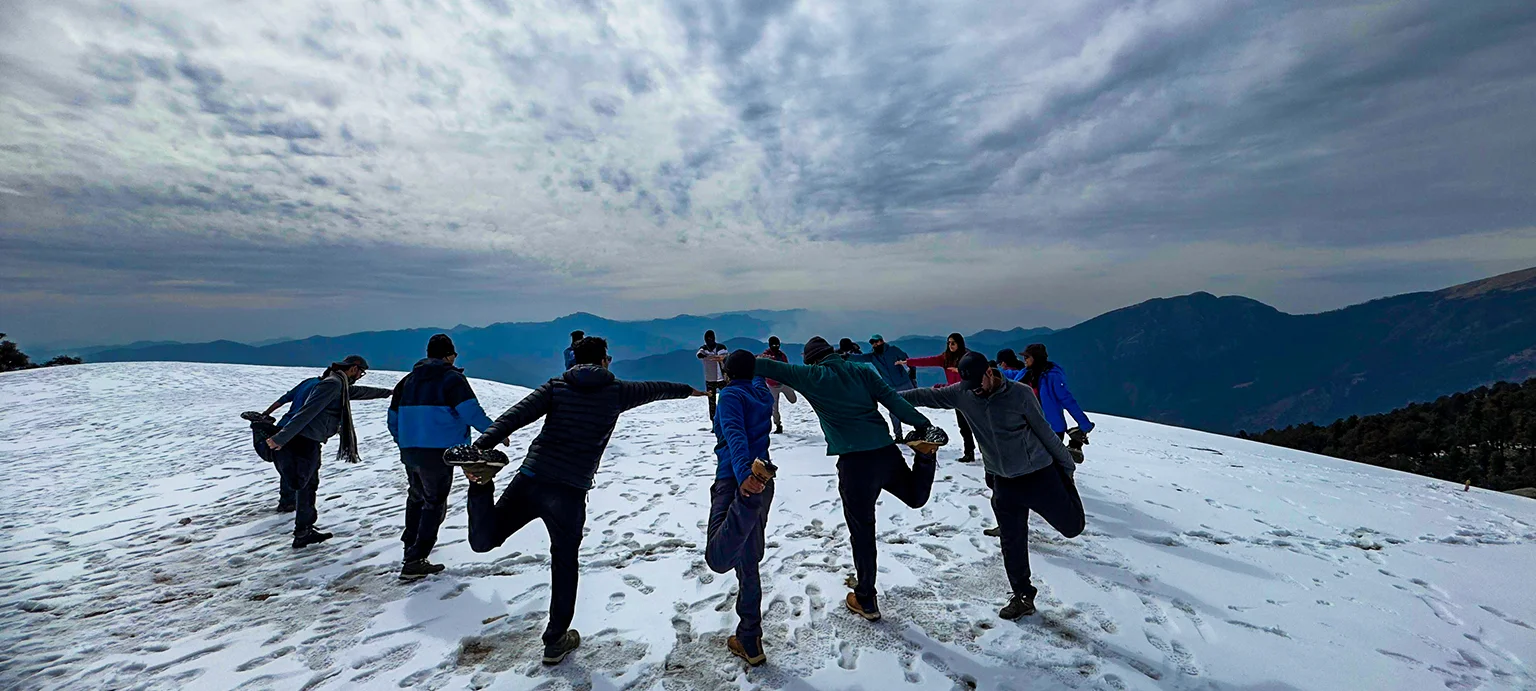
(1215, 363)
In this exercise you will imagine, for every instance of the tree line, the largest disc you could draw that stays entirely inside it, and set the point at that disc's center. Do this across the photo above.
(1486, 436)
(11, 358)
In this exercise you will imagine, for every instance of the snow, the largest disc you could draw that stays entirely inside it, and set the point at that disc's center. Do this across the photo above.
(141, 551)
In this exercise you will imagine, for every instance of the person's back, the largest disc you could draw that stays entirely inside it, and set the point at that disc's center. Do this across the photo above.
(845, 397)
(746, 407)
(295, 399)
(433, 408)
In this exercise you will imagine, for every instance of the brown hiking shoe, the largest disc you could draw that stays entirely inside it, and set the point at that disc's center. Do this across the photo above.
(754, 657)
(871, 614)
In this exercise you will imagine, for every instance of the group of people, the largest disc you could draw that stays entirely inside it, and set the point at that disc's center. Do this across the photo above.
(432, 409)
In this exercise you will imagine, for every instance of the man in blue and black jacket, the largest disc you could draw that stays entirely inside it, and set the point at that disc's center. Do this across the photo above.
(431, 411)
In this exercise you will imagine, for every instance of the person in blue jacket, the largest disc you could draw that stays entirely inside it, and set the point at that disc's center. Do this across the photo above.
(431, 410)
(740, 496)
(1050, 383)
(883, 357)
(1010, 366)
(570, 353)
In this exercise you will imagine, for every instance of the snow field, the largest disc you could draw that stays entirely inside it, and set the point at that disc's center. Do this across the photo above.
(142, 552)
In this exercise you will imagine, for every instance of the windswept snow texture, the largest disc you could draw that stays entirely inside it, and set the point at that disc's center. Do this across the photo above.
(140, 551)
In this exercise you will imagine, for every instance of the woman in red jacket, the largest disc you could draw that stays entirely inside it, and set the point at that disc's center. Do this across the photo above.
(950, 361)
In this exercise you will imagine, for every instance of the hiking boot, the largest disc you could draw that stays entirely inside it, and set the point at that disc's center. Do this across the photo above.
(779, 429)
(417, 569)
(968, 458)
(749, 649)
(554, 653)
(1018, 606)
(467, 455)
(870, 613)
(994, 531)
(480, 473)
(313, 537)
(286, 508)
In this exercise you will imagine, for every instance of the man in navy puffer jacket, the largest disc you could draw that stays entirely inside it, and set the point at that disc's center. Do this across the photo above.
(432, 410)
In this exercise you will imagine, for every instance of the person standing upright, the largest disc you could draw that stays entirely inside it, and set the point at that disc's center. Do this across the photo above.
(712, 356)
(884, 358)
(1049, 381)
(1010, 366)
(954, 349)
(327, 409)
(776, 352)
(570, 351)
(430, 412)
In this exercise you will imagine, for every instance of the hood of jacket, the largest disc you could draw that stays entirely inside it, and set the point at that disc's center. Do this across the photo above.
(434, 366)
(587, 377)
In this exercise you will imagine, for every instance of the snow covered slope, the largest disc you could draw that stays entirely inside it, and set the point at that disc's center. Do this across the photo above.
(140, 551)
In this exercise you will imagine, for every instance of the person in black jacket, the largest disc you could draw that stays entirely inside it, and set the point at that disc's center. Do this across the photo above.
(580, 409)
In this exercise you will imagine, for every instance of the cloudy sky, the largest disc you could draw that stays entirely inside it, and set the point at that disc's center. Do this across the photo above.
(190, 169)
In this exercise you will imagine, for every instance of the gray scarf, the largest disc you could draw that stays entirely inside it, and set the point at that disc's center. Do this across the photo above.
(347, 451)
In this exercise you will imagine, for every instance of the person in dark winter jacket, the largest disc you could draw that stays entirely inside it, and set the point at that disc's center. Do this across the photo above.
(775, 352)
(844, 396)
(883, 357)
(325, 410)
(954, 349)
(739, 499)
(580, 409)
(1049, 381)
(712, 356)
(430, 412)
(847, 347)
(1027, 466)
(570, 352)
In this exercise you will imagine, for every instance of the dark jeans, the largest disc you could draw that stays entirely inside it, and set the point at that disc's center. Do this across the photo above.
(965, 433)
(563, 508)
(260, 433)
(736, 525)
(299, 465)
(1049, 492)
(896, 426)
(426, 504)
(860, 477)
(713, 389)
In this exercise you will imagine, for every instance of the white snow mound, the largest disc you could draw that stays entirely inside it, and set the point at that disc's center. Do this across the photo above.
(140, 550)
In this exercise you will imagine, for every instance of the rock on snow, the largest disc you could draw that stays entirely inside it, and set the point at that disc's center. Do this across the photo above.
(140, 551)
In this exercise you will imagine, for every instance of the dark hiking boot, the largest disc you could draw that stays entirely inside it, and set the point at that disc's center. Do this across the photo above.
(1018, 606)
(779, 429)
(926, 442)
(261, 422)
(466, 454)
(969, 457)
(286, 508)
(870, 613)
(994, 531)
(313, 537)
(748, 649)
(418, 569)
(554, 653)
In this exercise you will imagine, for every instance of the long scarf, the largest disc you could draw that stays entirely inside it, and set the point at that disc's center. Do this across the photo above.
(347, 451)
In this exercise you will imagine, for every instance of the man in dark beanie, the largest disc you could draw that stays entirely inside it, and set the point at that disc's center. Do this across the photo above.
(1049, 381)
(318, 411)
(740, 496)
(845, 396)
(430, 412)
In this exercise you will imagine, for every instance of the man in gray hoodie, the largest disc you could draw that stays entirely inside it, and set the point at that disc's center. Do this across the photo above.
(1028, 468)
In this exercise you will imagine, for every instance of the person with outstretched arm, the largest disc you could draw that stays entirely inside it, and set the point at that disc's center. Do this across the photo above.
(1027, 466)
(740, 497)
(954, 349)
(883, 357)
(431, 411)
(326, 410)
(580, 409)
(712, 356)
(846, 397)
(1049, 381)
(776, 352)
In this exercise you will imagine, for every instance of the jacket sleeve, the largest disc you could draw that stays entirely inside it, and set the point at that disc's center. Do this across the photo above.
(469, 409)
(320, 397)
(703, 353)
(633, 394)
(932, 361)
(733, 431)
(287, 397)
(892, 400)
(364, 393)
(1058, 385)
(861, 357)
(1035, 418)
(932, 398)
(794, 376)
(533, 406)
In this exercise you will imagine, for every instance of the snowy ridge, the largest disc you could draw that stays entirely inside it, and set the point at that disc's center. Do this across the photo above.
(141, 552)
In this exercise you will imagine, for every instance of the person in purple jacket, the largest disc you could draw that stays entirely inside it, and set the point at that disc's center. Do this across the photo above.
(1050, 383)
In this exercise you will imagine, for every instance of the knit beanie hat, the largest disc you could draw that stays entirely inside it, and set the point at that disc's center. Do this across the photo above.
(740, 365)
(847, 346)
(816, 350)
(973, 366)
(440, 346)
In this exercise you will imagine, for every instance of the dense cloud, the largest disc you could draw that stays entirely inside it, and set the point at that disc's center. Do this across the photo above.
(507, 159)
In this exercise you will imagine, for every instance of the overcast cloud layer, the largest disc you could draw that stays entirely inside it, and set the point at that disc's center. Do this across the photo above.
(192, 169)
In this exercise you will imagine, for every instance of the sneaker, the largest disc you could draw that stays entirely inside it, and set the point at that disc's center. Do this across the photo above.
(313, 537)
(748, 649)
(418, 569)
(994, 531)
(871, 613)
(554, 653)
(1018, 606)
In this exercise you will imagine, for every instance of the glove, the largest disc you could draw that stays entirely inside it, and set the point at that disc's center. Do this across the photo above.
(1076, 438)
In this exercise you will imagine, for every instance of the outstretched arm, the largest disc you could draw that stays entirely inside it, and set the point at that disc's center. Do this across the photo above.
(795, 376)
(892, 400)
(943, 398)
(932, 361)
(533, 406)
(633, 394)
(364, 393)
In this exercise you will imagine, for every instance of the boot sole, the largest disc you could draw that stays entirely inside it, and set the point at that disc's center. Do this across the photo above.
(552, 661)
(755, 662)
(867, 616)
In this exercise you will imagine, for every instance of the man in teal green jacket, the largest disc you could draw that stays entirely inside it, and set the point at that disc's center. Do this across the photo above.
(844, 396)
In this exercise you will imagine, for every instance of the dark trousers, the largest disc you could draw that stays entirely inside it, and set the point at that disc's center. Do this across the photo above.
(426, 504)
(563, 509)
(260, 433)
(965, 433)
(895, 426)
(1049, 492)
(860, 477)
(298, 463)
(736, 527)
(713, 389)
